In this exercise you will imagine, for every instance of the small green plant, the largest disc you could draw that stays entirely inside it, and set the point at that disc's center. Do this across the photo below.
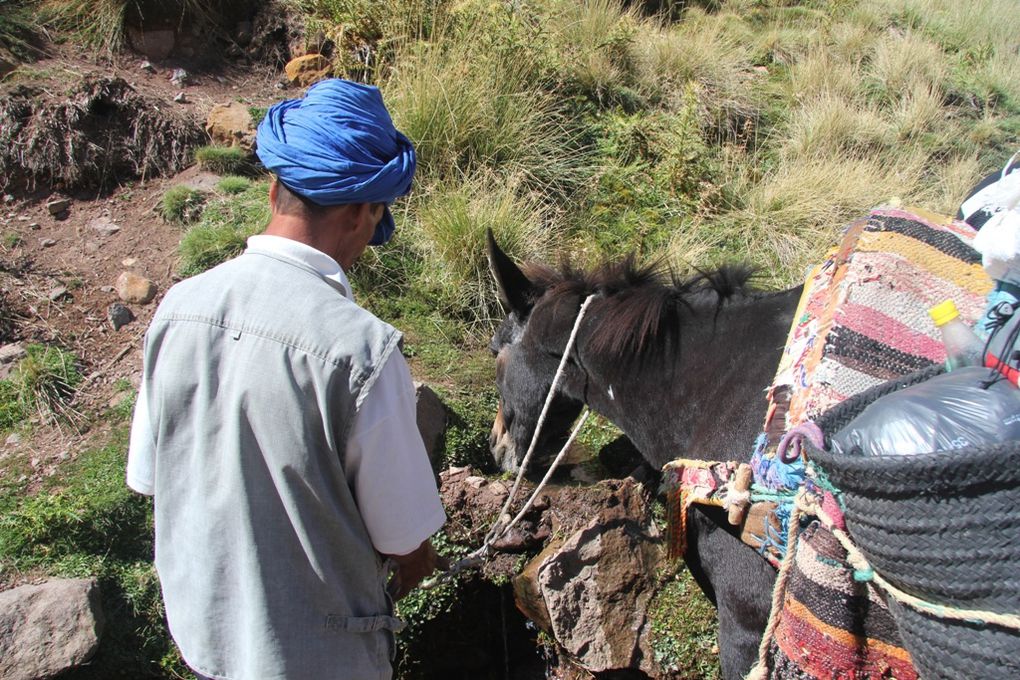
(86, 523)
(225, 160)
(233, 185)
(182, 204)
(124, 406)
(257, 113)
(12, 240)
(17, 29)
(684, 628)
(224, 228)
(43, 383)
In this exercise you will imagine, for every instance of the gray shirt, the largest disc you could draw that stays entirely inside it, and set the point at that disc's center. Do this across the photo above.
(254, 372)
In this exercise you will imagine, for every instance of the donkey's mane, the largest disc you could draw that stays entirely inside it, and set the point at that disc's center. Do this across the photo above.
(642, 306)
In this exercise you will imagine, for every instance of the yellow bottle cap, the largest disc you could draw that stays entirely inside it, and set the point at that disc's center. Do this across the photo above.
(944, 312)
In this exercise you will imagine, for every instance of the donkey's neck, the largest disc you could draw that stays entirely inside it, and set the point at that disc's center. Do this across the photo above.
(710, 402)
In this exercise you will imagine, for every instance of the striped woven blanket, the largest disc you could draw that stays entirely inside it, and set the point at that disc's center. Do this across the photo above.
(863, 320)
(833, 626)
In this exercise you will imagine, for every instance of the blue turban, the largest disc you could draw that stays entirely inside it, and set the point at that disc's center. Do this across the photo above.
(336, 146)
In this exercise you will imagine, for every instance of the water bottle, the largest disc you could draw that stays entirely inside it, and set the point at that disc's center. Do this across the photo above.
(963, 347)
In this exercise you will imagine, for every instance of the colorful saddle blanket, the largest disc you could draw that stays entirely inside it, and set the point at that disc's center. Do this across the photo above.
(862, 320)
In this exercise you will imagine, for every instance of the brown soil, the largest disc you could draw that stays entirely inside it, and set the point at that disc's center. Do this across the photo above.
(40, 252)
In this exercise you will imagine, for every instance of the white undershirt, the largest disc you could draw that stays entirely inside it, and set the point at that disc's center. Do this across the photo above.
(386, 464)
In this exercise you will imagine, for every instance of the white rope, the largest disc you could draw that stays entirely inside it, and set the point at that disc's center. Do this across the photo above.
(477, 557)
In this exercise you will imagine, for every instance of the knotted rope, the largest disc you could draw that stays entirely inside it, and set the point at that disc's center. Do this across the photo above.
(478, 557)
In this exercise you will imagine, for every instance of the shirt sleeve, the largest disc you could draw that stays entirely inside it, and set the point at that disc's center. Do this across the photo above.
(388, 468)
(141, 462)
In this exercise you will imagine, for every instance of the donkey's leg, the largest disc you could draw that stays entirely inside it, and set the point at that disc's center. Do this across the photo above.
(740, 584)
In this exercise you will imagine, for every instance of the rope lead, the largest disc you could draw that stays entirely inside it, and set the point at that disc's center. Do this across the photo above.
(477, 558)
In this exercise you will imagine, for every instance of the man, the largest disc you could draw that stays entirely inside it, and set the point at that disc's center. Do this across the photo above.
(275, 425)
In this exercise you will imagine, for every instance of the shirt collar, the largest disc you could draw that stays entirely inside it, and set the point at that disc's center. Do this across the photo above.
(306, 255)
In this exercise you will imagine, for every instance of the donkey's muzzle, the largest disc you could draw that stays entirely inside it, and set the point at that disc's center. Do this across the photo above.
(501, 445)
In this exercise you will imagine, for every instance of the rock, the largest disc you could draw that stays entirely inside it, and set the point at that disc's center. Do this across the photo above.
(108, 289)
(10, 355)
(58, 205)
(592, 592)
(13, 439)
(129, 262)
(34, 226)
(8, 198)
(49, 628)
(147, 66)
(47, 242)
(134, 288)
(432, 417)
(528, 595)
(119, 315)
(231, 124)
(58, 293)
(179, 98)
(308, 69)
(179, 77)
(104, 226)
(157, 44)
(597, 588)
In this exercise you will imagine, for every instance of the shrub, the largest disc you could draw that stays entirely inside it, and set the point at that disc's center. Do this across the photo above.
(225, 160)
(450, 231)
(43, 382)
(233, 185)
(182, 204)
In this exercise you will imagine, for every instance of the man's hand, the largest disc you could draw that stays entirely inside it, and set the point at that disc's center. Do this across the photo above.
(412, 568)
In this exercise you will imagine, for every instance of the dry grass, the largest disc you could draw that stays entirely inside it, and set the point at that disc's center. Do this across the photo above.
(101, 134)
(594, 42)
(471, 106)
(450, 230)
(792, 215)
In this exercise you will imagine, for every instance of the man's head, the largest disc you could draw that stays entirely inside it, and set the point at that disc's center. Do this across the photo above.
(336, 147)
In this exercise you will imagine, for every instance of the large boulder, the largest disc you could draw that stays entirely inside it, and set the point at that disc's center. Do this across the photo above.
(308, 69)
(231, 125)
(592, 592)
(431, 417)
(49, 628)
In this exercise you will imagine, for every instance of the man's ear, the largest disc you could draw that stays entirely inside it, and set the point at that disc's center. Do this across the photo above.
(274, 194)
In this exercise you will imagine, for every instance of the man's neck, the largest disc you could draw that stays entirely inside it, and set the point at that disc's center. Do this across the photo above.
(298, 229)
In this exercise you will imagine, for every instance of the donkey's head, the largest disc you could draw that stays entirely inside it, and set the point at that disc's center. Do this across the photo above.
(528, 346)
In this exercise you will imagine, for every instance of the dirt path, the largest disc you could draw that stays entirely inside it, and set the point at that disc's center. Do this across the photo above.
(58, 272)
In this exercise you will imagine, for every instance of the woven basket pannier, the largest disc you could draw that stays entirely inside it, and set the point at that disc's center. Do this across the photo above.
(944, 527)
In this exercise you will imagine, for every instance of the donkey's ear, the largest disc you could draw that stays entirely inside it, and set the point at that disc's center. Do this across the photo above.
(516, 292)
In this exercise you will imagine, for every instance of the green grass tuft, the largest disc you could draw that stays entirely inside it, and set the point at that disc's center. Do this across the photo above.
(224, 228)
(182, 205)
(225, 160)
(233, 185)
(42, 383)
(18, 29)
